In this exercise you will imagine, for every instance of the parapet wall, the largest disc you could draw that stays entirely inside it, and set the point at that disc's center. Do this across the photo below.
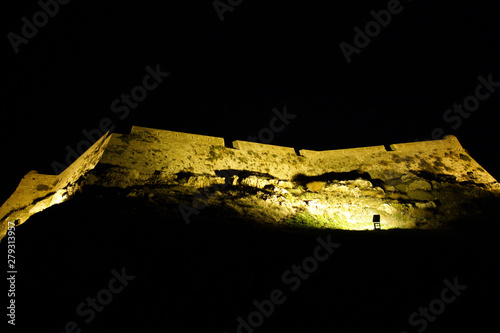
(263, 148)
(440, 156)
(150, 150)
(341, 153)
(37, 192)
(171, 136)
(450, 142)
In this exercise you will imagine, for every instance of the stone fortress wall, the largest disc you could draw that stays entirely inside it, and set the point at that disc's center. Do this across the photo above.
(37, 192)
(146, 152)
(149, 150)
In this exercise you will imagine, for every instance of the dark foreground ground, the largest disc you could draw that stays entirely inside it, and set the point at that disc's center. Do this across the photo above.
(203, 276)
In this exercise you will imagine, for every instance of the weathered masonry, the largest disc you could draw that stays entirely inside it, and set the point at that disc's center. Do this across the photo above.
(146, 152)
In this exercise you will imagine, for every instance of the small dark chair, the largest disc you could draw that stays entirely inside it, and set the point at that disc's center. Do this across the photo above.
(376, 222)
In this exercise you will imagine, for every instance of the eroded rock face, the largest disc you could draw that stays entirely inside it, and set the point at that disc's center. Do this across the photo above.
(326, 203)
(423, 184)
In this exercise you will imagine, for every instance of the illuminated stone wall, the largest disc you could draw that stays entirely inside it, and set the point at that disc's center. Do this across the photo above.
(146, 152)
(439, 157)
(37, 192)
(150, 150)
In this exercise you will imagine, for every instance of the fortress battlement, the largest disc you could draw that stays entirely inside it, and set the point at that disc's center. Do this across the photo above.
(145, 152)
(151, 150)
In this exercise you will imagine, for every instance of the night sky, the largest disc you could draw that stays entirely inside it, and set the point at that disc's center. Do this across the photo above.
(226, 77)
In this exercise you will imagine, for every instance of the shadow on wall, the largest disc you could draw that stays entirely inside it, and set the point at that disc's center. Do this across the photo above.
(303, 180)
(242, 174)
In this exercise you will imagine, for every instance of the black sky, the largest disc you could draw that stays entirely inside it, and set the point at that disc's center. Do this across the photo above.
(226, 77)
